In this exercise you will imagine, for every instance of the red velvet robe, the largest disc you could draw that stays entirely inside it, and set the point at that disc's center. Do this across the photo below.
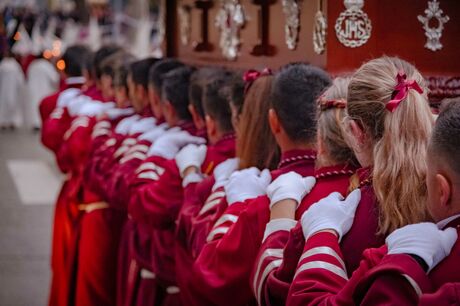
(220, 274)
(278, 256)
(155, 205)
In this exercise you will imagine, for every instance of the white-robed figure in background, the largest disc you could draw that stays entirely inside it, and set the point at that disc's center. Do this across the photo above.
(42, 77)
(11, 92)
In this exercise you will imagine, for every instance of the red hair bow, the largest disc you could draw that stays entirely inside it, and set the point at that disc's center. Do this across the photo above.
(251, 75)
(400, 92)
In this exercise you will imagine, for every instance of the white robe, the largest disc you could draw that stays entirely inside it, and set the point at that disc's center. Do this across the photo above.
(42, 80)
(11, 92)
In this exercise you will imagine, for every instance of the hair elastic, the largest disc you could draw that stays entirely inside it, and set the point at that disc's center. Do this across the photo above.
(402, 88)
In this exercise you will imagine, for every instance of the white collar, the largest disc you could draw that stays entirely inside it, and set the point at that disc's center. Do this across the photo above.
(441, 224)
(75, 80)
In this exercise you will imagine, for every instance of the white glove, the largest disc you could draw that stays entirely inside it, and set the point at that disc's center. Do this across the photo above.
(143, 125)
(169, 144)
(190, 156)
(223, 171)
(155, 133)
(76, 104)
(66, 96)
(94, 108)
(332, 212)
(115, 113)
(425, 240)
(246, 184)
(290, 186)
(124, 125)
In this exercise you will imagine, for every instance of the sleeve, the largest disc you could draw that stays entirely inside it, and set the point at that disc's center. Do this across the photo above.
(230, 216)
(157, 195)
(195, 194)
(448, 294)
(320, 274)
(54, 128)
(204, 220)
(398, 279)
(277, 261)
(76, 145)
(221, 272)
(100, 164)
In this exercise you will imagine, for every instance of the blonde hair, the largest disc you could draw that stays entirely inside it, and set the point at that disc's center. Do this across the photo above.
(331, 113)
(400, 139)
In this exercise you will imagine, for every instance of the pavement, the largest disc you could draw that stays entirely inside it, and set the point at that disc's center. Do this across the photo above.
(29, 184)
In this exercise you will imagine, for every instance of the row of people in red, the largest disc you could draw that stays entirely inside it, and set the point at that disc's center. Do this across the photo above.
(202, 187)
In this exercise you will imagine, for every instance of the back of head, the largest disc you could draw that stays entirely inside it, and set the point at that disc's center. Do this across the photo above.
(75, 58)
(331, 113)
(236, 93)
(445, 140)
(109, 64)
(159, 69)
(175, 90)
(99, 57)
(399, 138)
(296, 89)
(198, 81)
(216, 103)
(256, 146)
(120, 70)
(139, 71)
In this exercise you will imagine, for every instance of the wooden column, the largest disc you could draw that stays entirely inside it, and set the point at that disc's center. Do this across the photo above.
(264, 47)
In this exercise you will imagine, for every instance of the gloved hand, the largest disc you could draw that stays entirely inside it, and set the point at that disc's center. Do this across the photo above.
(94, 108)
(425, 240)
(143, 125)
(155, 133)
(168, 145)
(223, 171)
(124, 125)
(246, 184)
(290, 186)
(76, 104)
(332, 212)
(190, 156)
(115, 113)
(66, 96)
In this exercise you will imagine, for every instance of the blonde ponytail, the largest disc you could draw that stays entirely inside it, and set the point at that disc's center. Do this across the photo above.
(400, 139)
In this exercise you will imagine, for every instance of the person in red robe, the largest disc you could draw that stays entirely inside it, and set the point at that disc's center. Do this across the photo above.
(335, 164)
(158, 197)
(53, 121)
(135, 283)
(204, 202)
(102, 224)
(397, 132)
(220, 274)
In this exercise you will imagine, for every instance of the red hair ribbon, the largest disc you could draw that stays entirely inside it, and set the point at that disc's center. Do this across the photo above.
(251, 75)
(400, 92)
(328, 104)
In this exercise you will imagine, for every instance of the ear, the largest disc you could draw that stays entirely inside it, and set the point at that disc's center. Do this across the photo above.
(274, 122)
(357, 132)
(445, 191)
(169, 109)
(197, 119)
(211, 126)
(140, 92)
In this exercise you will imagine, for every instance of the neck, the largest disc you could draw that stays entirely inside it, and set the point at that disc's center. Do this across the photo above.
(289, 146)
(323, 160)
(213, 139)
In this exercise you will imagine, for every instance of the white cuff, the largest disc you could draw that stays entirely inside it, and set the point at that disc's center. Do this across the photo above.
(282, 224)
(192, 178)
